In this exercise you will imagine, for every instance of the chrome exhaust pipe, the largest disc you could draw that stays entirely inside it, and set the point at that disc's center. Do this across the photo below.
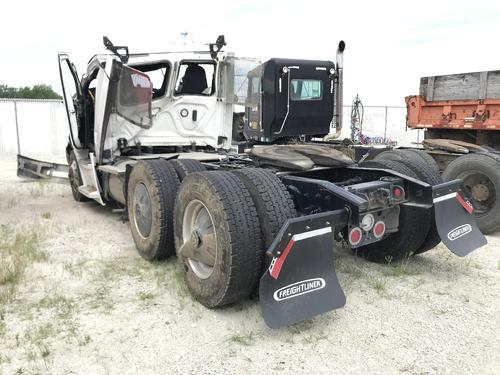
(339, 93)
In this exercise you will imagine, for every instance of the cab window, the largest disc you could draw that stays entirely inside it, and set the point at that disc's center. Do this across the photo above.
(306, 89)
(158, 74)
(196, 78)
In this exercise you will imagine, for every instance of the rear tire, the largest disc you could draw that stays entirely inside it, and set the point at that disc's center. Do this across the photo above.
(235, 263)
(183, 167)
(427, 171)
(481, 175)
(414, 225)
(272, 200)
(151, 191)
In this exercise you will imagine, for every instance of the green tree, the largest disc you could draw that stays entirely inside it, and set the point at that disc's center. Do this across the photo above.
(40, 91)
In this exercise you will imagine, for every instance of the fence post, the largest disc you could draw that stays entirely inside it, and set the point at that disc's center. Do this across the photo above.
(17, 128)
(385, 123)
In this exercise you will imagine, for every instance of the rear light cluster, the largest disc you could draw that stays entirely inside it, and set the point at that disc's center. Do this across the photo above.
(367, 224)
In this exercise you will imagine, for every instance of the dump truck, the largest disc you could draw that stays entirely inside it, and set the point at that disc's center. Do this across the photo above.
(461, 117)
(222, 161)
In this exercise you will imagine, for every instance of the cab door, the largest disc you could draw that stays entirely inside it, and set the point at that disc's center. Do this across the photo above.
(73, 99)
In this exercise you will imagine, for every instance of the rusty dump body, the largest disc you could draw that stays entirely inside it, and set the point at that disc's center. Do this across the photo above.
(457, 101)
(477, 114)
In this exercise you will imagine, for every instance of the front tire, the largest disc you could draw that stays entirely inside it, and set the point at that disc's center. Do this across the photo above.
(75, 178)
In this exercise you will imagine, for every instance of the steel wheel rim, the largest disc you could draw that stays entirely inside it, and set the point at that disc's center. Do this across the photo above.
(142, 208)
(198, 228)
(473, 179)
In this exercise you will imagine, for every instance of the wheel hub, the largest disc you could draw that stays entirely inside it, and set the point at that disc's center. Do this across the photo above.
(143, 216)
(480, 192)
(199, 239)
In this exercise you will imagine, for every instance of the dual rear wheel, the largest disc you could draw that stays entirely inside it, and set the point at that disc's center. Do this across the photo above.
(218, 222)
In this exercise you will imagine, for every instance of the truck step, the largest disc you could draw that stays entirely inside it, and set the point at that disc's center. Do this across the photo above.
(89, 191)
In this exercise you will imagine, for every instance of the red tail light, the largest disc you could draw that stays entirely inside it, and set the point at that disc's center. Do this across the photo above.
(379, 229)
(355, 236)
(398, 192)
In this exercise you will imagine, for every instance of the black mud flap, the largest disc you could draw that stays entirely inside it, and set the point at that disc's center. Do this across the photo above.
(455, 221)
(301, 281)
(37, 169)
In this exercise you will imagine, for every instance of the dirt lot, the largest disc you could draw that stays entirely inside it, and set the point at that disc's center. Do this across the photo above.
(75, 297)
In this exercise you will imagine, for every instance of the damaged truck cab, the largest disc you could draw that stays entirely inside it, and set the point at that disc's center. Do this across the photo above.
(223, 162)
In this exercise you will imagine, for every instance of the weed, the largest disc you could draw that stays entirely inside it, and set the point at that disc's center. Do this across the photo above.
(12, 202)
(145, 296)
(3, 327)
(46, 215)
(298, 328)
(62, 305)
(40, 188)
(82, 341)
(379, 285)
(403, 268)
(246, 339)
(313, 339)
(75, 268)
(41, 333)
(18, 248)
(101, 299)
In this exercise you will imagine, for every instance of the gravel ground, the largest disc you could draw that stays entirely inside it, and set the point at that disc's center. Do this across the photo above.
(88, 304)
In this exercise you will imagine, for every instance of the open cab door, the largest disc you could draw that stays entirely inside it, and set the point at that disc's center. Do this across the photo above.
(123, 108)
(83, 163)
(74, 105)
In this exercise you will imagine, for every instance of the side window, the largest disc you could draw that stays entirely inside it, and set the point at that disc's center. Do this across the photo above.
(306, 89)
(196, 78)
(158, 74)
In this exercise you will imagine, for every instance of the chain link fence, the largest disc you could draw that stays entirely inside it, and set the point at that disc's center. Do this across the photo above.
(43, 129)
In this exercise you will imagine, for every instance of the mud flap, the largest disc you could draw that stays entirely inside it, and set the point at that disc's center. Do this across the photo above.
(301, 281)
(455, 221)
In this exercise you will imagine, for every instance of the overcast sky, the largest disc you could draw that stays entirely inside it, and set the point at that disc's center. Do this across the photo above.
(389, 44)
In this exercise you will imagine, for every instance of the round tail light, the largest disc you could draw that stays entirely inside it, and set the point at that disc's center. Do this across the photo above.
(355, 236)
(398, 192)
(379, 229)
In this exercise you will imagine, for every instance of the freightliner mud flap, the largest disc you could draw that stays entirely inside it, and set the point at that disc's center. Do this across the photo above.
(37, 169)
(301, 281)
(455, 221)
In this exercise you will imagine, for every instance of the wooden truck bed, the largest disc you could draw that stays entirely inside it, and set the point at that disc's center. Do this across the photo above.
(457, 101)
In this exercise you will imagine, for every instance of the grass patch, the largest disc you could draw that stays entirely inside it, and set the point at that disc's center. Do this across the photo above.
(40, 333)
(63, 306)
(75, 268)
(246, 339)
(12, 202)
(40, 188)
(301, 327)
(101, 299)
(402, 268)
(145, 296)
(379, 285)
(46, 215)
(19, 247)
